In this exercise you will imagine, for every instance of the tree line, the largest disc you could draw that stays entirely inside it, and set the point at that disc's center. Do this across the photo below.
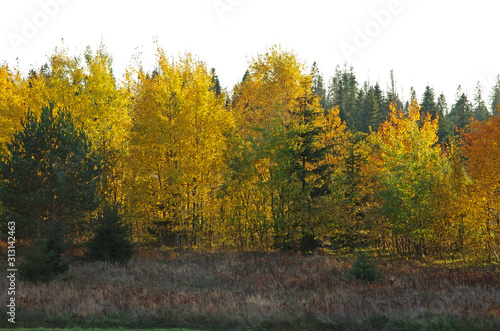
(282, 161)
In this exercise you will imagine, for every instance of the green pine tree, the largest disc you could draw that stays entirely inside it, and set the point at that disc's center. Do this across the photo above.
(364, 269)
(111, 241)
(46, 260)
(50, 176)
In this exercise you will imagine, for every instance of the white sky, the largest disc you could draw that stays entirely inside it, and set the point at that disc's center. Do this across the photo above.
(443, 43)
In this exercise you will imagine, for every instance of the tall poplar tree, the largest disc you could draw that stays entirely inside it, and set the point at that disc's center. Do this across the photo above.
(408, 165)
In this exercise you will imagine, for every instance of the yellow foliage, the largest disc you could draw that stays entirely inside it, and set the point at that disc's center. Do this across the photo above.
(12, 102)
(177, 142)
(271, 90)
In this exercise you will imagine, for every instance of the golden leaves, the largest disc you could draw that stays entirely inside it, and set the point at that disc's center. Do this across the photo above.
(12, 102)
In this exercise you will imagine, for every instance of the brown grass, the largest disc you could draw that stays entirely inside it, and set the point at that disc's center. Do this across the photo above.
(253, 290)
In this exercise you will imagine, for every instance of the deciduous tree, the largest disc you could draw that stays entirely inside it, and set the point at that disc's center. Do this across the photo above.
(408, 163)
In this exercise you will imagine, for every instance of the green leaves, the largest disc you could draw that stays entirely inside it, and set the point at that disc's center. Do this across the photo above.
(409, 164)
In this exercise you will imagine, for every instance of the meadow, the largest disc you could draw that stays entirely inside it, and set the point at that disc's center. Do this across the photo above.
(260, 291)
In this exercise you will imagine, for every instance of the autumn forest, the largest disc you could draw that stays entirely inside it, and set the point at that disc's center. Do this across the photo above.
(287, 160)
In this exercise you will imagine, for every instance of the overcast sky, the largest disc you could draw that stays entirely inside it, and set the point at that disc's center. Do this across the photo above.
(440, 43)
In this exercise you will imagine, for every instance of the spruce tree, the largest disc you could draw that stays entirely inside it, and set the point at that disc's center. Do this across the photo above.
(374, 99)
(495, 97)
(461, 112)
(362, 122)
(428, 105)
(480, 110)
(391, 98)
(306, 165)
(215, 83)
(444, 129)
(318, 87)
(342, 92)
(370, 100)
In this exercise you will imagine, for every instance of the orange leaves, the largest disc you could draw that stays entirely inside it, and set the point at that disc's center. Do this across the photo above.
(482, 150)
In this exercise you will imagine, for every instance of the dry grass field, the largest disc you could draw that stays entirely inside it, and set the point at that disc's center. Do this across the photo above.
(260, 291)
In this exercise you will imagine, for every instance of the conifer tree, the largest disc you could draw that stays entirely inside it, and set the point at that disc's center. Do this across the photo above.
(51, 174)
(45, 259)
(111, 241)
(364, 269)
(216, 84)
(49, 185)
(444, 129)
(495, 97)
(428, 105)
(318, 87)
(461, 112)
(342, 92)
(306, 164)
(480, 110)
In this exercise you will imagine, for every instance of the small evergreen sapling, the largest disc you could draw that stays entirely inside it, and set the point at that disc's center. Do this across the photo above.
(111, 241)
(45, 260)
(364, 269)
(308, 244)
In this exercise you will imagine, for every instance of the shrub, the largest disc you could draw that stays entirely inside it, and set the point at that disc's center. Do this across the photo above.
(111, 241)
(308, 244)
(364, 269)
(45, 260)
